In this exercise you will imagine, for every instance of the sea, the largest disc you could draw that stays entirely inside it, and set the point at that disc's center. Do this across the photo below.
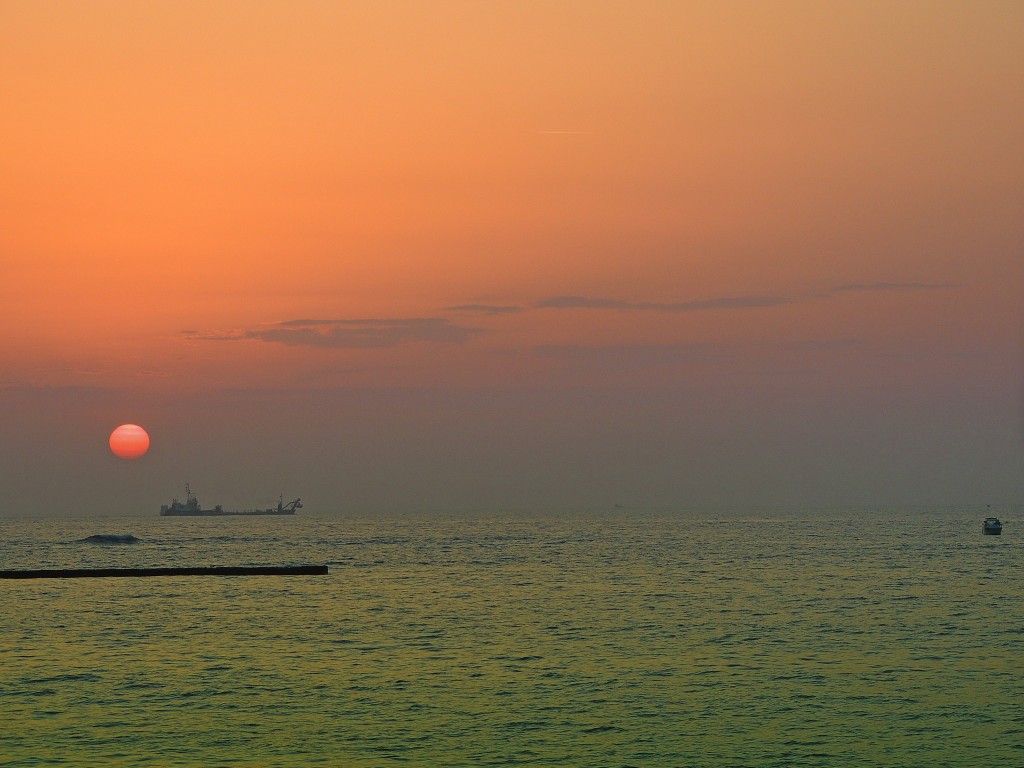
(590, 638)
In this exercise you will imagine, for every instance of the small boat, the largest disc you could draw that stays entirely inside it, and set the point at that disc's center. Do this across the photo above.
(992, 526)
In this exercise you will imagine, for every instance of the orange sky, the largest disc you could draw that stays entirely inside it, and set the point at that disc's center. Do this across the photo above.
(733, 193)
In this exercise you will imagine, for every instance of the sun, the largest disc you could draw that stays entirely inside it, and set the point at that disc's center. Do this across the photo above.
(129, 441)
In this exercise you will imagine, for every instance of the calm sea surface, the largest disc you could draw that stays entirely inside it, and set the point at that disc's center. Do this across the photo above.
(629, 639)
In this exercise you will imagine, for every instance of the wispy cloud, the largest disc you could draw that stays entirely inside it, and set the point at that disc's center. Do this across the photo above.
(633, 354)
(823, 345)
(756, 301)
(380, 333)
(13, 387)
(486, 309)
(723, 302)
(374, 333)
(890, 287)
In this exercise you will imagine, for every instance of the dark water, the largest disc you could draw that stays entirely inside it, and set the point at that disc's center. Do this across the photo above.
(629, 639)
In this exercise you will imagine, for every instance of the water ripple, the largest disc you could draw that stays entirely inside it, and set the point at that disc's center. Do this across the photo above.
(653, 640)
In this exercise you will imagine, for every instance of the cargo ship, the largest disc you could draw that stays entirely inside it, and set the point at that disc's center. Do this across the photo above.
(190, 508)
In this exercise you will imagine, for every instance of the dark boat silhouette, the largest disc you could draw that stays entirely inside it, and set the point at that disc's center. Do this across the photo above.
(191, 508)
(992, 526)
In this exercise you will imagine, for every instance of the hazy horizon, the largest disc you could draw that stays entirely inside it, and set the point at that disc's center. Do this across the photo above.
(406, 256)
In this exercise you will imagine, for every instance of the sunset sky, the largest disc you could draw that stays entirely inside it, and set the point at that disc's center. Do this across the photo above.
(511, 255)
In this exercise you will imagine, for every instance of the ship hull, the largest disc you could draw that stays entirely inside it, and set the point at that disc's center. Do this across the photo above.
(191, 508)
(224, 513)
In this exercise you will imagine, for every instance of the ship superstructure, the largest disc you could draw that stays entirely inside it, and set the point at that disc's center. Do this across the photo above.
(191, 508)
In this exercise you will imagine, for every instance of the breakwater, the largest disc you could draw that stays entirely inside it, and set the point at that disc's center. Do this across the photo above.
(217, 570)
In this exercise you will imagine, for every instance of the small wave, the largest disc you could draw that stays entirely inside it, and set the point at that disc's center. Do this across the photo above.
(109, 538)
(604, 729)
(71, 677)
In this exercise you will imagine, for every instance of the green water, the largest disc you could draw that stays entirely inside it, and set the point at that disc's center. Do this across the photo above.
(634, 639)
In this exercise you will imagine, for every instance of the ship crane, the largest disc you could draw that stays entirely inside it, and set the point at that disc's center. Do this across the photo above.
(291, 506)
